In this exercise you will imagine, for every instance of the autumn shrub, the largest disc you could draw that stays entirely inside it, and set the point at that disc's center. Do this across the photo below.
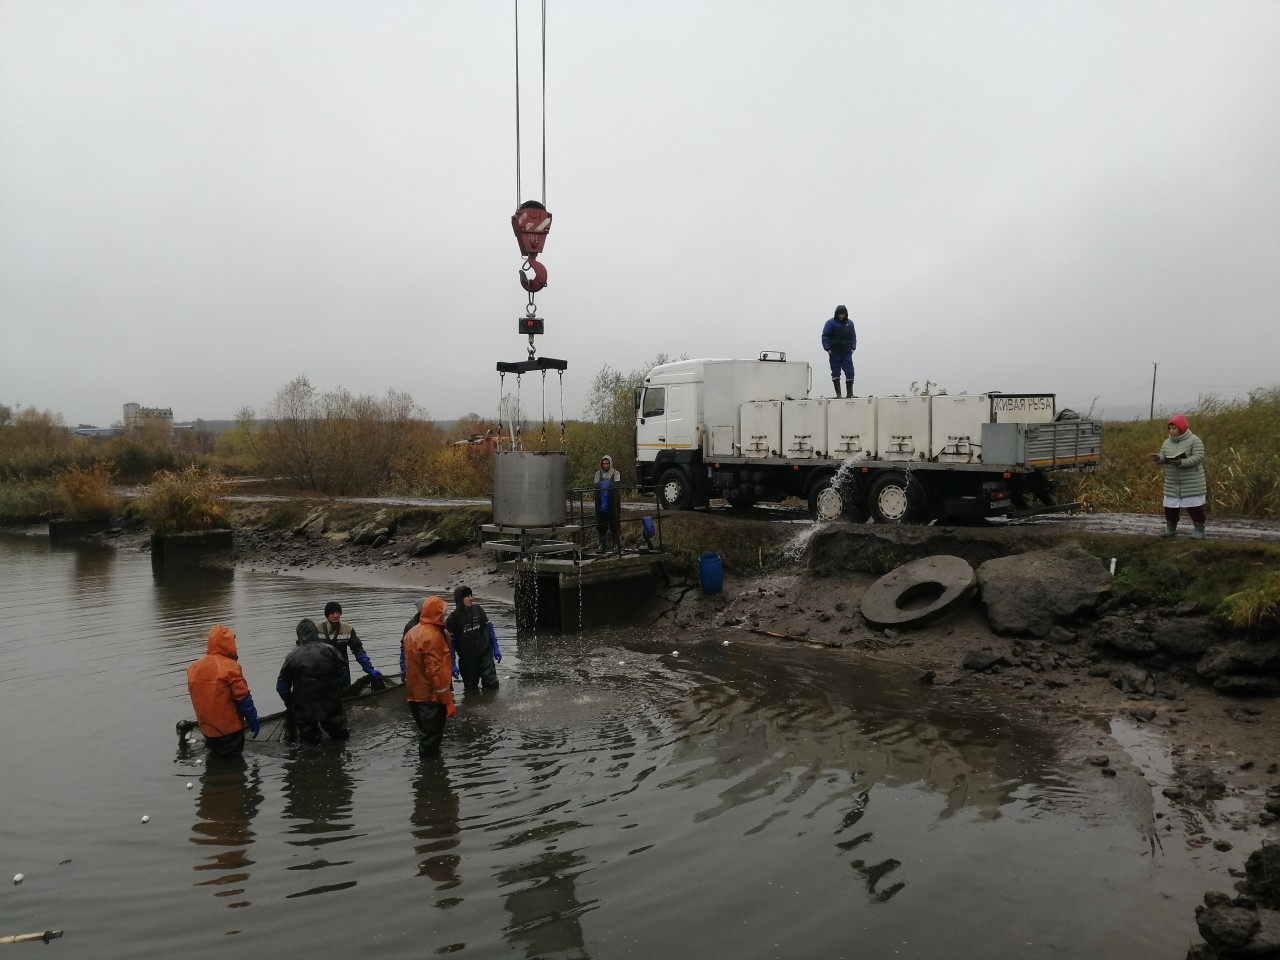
(185, 501)
(84, 493)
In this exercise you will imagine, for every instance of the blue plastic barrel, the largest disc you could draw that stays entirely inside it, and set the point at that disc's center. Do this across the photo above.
(711, 573)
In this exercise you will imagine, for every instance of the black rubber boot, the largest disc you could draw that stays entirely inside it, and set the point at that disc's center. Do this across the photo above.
(836, 386)
(848, 388)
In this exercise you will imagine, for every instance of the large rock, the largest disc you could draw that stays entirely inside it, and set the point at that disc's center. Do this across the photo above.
(313, 525)
(1028, 594)
(1183, 638)
(1241, 657)
(1124, 636)
(420, 544)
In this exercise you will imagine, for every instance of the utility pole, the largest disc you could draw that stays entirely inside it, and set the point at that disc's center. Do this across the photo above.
(1152, 415)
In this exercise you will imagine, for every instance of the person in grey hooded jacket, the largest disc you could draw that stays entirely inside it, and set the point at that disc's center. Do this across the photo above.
(607, 482)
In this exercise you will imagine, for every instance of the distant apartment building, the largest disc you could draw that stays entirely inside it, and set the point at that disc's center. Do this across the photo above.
(138, 418)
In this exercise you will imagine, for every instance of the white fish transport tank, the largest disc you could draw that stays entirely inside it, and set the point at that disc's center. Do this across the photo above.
(529, 488)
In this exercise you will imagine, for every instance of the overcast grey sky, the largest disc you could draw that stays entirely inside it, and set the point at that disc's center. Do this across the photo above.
(200, 201)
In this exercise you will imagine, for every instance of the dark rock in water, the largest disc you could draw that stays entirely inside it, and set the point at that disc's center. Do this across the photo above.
(1243, 714)
(1143, 714)
(1228, 927)
(981, 660)
(1099, 760)
(1031, 593)
(1262, 874)
(1186, 608)
(939, 679)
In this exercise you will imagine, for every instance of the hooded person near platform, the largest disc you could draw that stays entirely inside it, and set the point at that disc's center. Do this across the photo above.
(220, 695)
(342, 637)
(474, 641)
(427, 676)
(607, 482)
(1182, 454)
(840, 339)
(310, 684)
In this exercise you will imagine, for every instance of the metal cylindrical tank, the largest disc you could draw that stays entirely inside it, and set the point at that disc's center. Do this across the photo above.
(529, 489)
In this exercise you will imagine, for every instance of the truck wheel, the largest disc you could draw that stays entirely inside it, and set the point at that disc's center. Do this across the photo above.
(897, 498)
(825, 500)
(673, 489)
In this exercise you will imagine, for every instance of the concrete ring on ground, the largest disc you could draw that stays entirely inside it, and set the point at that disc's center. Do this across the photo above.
(919, 592)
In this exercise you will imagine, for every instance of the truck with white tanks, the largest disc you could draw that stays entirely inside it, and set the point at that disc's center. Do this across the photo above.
(748, 431)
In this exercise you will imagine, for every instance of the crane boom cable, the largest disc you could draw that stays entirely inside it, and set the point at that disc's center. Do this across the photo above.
(544, 102)
(516, 4)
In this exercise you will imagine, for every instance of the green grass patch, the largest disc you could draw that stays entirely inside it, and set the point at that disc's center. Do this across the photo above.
(27, 501)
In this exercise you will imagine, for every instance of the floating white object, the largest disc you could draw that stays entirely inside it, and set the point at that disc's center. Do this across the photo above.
(675, 653)
(189, 784)
(724, 643)
(1113, 566)
(145, 818)
(18, 878)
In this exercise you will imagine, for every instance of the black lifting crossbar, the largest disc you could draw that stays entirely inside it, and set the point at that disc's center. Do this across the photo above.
(528, 366)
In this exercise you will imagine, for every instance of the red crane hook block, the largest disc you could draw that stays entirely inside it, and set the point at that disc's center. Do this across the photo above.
(531, 223)
(533, 275)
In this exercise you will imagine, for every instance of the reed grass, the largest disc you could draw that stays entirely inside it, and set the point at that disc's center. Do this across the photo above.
(1256, 605)
(1242, 459)
(85, 492)
(185, 501)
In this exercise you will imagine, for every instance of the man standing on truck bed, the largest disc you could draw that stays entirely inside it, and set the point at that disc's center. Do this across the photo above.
(839, 339)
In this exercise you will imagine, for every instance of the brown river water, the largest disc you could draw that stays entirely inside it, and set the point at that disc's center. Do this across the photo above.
(623, 795)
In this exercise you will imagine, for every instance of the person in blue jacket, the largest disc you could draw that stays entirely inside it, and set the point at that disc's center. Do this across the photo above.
(342, 637)
(839, 339)
(474, 641)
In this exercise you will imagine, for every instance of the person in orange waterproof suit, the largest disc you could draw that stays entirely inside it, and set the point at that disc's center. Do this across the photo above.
(220, 694)
(428, 675)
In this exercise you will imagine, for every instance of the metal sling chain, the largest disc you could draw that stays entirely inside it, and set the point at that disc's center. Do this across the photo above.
(563, 424)
(516, 420)
(543, 445)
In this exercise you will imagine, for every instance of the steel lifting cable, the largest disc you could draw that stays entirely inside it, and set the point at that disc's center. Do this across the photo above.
(516, 4)
(544, 102)
(519, 179)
